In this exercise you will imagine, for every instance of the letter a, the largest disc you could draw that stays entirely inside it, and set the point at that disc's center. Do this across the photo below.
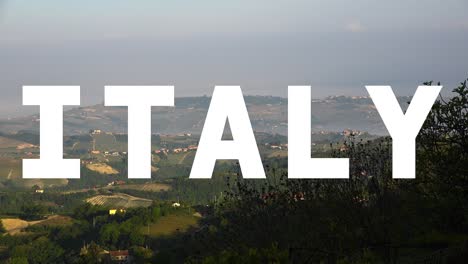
(227, 103)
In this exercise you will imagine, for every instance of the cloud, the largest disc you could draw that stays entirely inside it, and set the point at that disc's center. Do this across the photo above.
(2, 7)
(355, 27)
(464, 24)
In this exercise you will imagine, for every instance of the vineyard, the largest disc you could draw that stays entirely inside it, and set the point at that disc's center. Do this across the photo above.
(119, 200)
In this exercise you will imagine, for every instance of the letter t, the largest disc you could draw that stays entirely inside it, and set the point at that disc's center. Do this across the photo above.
(139, 100)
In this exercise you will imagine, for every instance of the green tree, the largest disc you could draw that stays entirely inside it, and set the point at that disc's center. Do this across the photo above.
(44, 251)
(91, 254)
(18, 260)
(110, 234)
(2, 228)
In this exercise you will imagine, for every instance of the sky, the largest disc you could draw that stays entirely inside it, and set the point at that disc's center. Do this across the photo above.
(336, 46)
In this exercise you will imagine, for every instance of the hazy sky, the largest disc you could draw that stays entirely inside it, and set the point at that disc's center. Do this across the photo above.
(337, 46)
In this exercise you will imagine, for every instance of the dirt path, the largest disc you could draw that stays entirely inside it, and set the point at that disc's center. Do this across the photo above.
(74, 145)
(183, 158)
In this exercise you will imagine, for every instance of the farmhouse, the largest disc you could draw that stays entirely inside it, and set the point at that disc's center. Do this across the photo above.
(114, 183)
(177, 150)
(96, 132)
(115, 211)
(120, 256)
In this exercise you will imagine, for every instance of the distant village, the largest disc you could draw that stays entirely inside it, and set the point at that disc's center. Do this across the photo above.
(157, 151)
(32, 151)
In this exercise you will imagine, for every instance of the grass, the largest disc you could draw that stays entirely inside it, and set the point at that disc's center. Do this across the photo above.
(102, 168)
(10, 168)
(171, 224)
(15, 226)
(184, 158)
(57, 220)
(188, 159)
(175, 158)
(11, 143)
(278, 153)
(105, 142)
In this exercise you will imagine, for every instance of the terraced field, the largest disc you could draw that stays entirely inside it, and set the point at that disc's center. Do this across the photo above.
(119, 200)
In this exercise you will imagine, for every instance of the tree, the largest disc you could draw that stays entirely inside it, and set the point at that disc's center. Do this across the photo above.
(142, 255)
(2, 228)
(136, 238)
(33, 211)
(43, 251)
(91, 254)
(367, 219)
(18, 260)
(110, 234)
(443, 163)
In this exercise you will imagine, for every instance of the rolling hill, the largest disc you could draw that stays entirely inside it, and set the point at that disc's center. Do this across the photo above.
(268, 114)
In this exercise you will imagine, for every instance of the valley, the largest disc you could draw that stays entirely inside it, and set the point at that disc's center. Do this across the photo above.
(168, 205)
(268, 114)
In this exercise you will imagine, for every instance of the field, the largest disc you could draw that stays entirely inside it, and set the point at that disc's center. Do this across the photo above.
(10, 168)
(56, 220)
(13, 143)
(278, 153)
(105, 142)
(102, 142)
(15, 226)
(119, 200)
(102, 168)
(184, 158)
(171, 224)
(147, 187)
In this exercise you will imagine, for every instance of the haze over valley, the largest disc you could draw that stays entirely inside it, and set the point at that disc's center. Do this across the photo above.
(268, 114)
